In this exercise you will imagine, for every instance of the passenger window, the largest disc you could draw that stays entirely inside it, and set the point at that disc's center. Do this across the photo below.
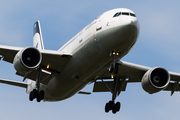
(125, 13)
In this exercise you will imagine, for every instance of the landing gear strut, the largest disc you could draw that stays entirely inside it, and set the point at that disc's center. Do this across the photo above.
(111, 105)
(114, 66)
(39, 95)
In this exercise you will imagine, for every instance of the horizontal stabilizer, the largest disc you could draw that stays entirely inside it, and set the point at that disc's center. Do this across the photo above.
(14, 83)
(85, 93)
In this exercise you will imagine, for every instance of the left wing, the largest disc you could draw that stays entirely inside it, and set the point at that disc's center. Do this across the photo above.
(54, 59)
(132, 73)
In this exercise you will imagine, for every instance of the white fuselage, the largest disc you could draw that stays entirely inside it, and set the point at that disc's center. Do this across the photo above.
(91, 49)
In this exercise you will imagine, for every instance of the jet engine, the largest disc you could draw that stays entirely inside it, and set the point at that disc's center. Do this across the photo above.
(155, 80)
(27, 60)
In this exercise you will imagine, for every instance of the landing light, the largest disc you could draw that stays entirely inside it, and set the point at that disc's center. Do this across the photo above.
(112, 76)
(47, 66)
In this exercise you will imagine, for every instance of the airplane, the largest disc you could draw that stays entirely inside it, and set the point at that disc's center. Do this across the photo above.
(92, 56)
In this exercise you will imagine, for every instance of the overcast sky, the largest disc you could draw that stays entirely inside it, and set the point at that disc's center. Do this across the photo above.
(158, 45)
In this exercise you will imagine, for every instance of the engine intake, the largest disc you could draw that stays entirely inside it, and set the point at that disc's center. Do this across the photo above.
(27, 60)
(155, 80)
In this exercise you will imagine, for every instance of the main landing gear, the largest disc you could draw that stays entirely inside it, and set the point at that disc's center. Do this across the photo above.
(36, 94)
(39, 95)
(111, 105)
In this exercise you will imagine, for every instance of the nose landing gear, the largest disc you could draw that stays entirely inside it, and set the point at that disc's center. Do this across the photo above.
(114, 66)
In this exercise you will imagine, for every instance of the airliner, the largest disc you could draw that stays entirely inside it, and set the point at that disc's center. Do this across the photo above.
(92, 56)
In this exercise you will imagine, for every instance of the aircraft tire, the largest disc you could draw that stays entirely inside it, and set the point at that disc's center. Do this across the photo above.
(107, 106)
(117, 106)
(34, 93)
(111, 104)
(38, 99)
(31, 96)
(114, 110)
(41, 94)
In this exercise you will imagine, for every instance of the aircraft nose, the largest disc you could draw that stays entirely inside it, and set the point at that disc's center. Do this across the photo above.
(131, 22)
(134, 22)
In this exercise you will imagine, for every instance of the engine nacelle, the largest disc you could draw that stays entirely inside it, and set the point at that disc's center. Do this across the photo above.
(27, 60)
(155, 80)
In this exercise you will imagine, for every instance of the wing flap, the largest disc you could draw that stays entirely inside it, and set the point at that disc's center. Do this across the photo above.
(55, 59)
(173, 87)
(107, 86)
(45, 77)
(174, 76)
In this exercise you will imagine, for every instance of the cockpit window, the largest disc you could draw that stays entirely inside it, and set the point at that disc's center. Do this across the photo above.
(117, 14)
(125, 13)
(132, 14)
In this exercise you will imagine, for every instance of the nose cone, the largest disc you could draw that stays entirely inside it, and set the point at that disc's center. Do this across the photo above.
(130, 21)
(135, 23)
(127, 32)
(130, 25)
